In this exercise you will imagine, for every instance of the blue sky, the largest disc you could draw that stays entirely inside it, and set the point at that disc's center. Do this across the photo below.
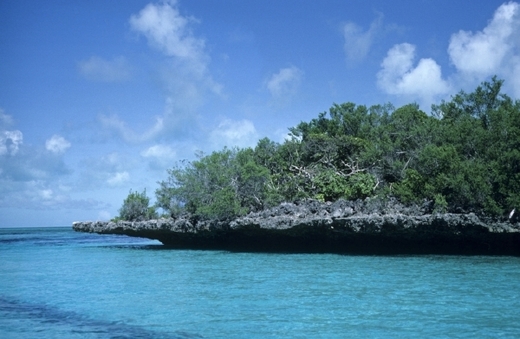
(100, 97)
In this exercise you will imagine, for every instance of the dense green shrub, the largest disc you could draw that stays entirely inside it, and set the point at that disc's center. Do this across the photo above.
(136, 207)
(223, 184)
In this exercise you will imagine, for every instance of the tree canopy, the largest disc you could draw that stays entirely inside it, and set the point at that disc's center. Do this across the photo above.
(464, 157)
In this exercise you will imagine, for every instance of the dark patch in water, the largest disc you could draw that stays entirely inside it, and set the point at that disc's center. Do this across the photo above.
(80, 324)
(66, 238)
(48, 241)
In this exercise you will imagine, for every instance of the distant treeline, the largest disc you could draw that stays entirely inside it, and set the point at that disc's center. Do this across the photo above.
(464, 157)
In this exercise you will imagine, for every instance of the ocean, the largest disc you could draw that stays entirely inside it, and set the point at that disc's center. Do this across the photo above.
(56, 283)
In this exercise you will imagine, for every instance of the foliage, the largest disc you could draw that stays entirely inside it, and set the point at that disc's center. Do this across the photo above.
(463, 157)
(136, 207)
(223, 184)
(440, 203)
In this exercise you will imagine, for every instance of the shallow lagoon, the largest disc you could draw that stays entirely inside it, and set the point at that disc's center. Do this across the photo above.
(58, 283)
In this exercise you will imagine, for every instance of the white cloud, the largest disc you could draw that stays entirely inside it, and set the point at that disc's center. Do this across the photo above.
(118, 178)
(183, 75)
(5, 120)
(98, 69)
(41, 195)
(25, 163)
(284, 84)
(234, 133)
(398, 76)
(46, 194)
(107, 169)
(358, 42)
(10, 142)
(114, 123)
(493, 51)
(476, 56)
(159, 151)
(57, 144)
(31, 176)
(168, 31)
(159, 157)
(483, 52)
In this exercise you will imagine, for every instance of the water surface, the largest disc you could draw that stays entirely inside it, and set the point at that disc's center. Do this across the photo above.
(58, 283)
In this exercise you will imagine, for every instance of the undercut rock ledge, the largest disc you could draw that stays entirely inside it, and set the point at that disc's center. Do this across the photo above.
(341, 227)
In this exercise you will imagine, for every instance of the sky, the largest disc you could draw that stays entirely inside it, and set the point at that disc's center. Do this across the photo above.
(98, 98)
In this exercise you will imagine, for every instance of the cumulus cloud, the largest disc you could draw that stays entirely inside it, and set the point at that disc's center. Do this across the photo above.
(284, 85)
(398, 75)
(10, 142)
(33, 176)
(170, 32)
(159, 151)
(57, 144)
(115, 124)
(476, 56)
(30, 176)
(5, 120)
(33, 163)
(183, 75)
(483, 52)
(234, 133)
(111, 169)
(41, 195)
(99, 69)
(25, 163)
(118, 178)
(357, 41)
(45, 194)
(159, 156)
(494, 50)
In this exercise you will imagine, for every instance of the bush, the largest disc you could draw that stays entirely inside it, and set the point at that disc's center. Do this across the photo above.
(440, 204)
(221, 185)
(136, 207)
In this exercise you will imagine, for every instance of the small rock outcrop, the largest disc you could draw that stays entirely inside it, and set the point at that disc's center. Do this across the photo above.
(356, 227)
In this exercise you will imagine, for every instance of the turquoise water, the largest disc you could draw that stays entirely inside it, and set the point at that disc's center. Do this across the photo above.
(55, 283)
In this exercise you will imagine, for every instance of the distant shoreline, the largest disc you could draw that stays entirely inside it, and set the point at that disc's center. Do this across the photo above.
(32, 227)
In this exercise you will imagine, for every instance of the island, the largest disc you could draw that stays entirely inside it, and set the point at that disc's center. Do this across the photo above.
(361, 180)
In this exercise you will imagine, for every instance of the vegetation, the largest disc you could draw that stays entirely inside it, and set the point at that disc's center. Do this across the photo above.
(464, 157)
(136, 208)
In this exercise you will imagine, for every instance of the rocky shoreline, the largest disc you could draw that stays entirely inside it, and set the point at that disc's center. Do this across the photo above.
(350, 227)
